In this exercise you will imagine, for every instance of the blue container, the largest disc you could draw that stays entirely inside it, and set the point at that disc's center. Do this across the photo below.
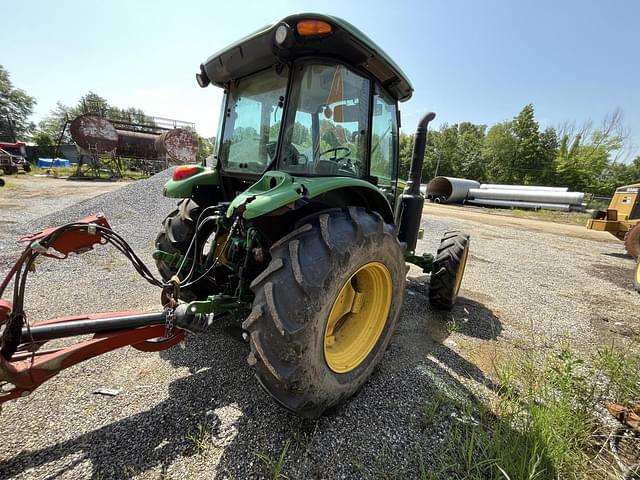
(52, 162)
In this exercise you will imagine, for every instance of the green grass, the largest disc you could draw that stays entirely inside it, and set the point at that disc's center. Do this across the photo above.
(200, 439)
(620, 366)
(431, 410)
(274, 467)
(540, 425)
(71, 171)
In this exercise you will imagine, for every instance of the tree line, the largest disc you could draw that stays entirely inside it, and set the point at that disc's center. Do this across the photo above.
(517, 151)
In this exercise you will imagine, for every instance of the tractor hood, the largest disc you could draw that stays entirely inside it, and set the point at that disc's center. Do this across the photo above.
(279, 189)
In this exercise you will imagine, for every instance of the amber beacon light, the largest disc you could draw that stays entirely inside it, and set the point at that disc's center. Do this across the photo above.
(312, 28)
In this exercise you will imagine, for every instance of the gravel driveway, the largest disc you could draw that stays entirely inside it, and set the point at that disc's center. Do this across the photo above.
(197, 412)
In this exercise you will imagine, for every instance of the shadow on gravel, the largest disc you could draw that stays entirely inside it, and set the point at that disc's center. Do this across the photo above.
(620, 276)
(381, 432)
(619, 255)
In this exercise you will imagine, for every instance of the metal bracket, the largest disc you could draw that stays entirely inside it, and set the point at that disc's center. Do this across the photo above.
(424, 261)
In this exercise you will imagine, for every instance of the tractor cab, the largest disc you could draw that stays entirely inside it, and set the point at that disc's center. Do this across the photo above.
(310, 96)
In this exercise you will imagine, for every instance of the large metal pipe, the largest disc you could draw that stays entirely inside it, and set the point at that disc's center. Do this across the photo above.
(41, 333)
(523, 187)
(454, 190)
(484, 202)
(571, 198)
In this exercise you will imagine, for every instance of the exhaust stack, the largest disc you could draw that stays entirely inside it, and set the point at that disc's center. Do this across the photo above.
(411, 201)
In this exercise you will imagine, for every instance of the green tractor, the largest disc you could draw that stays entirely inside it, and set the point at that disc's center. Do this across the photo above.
(300, 228)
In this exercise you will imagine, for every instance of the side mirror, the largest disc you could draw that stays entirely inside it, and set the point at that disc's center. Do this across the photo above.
(202, 78)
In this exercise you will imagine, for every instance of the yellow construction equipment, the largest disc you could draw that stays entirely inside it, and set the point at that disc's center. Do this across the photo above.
(622, 218)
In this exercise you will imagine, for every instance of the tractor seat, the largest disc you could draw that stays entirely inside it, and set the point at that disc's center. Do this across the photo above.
(326, 167)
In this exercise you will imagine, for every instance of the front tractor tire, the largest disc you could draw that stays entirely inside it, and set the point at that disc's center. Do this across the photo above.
(448, 270)
(325, 309)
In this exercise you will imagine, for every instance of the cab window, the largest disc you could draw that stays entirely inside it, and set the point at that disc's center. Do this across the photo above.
(384, 141)
(327, 131)
(252, 123)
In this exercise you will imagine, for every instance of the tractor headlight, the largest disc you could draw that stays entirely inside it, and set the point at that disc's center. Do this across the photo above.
(282, 32)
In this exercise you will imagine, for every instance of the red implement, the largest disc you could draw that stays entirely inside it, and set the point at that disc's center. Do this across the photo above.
(77, 241)
(28, 370)
(24, 366)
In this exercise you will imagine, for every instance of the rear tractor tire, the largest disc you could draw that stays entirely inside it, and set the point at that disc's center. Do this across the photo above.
(448, 270)
(325, 309)
(632, 242)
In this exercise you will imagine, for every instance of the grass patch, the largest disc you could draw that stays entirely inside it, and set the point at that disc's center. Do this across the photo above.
(621, 369)
(541, 423)
(200, 439)
(274, 466)
(71, 171)
(431, 410)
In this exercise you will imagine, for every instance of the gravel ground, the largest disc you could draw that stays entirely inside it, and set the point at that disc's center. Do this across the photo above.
(519, 285)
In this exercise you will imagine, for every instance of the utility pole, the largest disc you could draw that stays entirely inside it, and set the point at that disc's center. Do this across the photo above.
(435, 174)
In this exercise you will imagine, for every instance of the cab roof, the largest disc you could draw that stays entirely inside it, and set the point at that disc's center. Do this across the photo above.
(260, 50)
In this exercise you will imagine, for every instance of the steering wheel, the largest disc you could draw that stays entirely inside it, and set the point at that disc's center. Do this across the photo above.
(336, 150)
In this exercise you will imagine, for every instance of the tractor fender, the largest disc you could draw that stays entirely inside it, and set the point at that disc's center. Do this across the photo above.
(279, 189)
(205, 179)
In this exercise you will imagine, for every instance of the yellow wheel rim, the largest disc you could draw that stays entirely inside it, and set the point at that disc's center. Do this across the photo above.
(358, 317)
(460, 273)
(638, 273)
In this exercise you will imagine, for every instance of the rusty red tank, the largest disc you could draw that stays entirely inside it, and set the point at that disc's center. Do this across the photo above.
(179, 144)
(94, 134)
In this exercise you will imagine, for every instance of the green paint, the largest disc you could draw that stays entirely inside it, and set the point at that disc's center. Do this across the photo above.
(424, 261)
(219, 304)
(277, 189)
(182, 188)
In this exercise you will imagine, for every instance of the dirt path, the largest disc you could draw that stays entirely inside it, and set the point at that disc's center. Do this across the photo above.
(26, 197)
(497, 219)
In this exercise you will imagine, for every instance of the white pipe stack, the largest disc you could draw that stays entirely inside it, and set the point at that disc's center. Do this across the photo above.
(459, 190)
(542, 196)
(491, 186)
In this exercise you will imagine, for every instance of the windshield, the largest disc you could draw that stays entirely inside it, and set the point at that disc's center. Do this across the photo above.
(326, 134)
(252, 121)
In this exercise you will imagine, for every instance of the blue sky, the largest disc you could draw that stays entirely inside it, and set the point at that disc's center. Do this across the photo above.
(468, 60)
